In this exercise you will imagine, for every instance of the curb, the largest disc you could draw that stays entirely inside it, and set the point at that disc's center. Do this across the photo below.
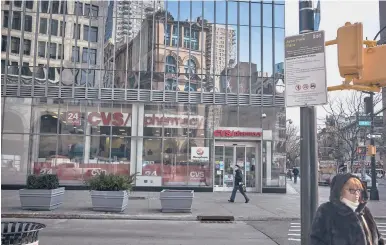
(102, 216)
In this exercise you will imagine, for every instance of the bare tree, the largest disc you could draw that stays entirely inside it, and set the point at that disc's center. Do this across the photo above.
(292, 145)
(342, 122)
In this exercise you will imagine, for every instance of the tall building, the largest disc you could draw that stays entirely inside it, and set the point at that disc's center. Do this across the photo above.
(167, 100)
(125, 18)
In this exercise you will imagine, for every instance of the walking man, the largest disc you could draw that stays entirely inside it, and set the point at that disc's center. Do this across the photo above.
(238, 185)
(295, 171)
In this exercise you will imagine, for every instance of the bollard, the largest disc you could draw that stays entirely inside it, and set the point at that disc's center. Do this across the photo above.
(20, 233)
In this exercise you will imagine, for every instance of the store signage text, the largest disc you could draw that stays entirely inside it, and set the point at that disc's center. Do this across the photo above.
(235, 133)
(173, 121)
(73, 117)
(109, 119)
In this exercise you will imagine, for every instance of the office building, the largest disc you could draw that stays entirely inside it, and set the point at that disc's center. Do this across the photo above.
(161, 103)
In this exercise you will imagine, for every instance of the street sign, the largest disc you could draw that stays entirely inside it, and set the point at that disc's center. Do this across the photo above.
(374, 136)
(305, 70)
(364, 123)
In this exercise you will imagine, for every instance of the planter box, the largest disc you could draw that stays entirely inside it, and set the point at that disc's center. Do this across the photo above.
(109, 201)
(40, 199)
(176, 201)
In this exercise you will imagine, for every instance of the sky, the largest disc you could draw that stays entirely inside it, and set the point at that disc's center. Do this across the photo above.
(333, 15)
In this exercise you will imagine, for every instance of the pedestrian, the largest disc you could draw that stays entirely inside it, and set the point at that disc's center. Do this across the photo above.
(345, 219)
(289, 174)
(295, 171)
(239, 185)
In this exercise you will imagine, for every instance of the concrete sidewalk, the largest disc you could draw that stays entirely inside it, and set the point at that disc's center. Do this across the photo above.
(146, 206)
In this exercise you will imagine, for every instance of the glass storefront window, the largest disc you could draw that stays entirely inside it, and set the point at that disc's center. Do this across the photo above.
(175, 157)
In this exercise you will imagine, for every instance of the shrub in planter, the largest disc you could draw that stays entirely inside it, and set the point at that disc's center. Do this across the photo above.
(109, 192)
(42, 193)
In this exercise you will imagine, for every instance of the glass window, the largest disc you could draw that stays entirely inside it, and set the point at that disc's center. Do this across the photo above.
(25, 70)
(176, 35)
(27, 46)
(5, 18)
(244, 13)
(29, 4)
(44, 5)
(91, 10)
(175, 162)
(168, 33)
(16, 23)
(76, 34)
(17, 115)
(267, 52)
(190, 67)
(28, 23)
(17, 3)
(220, 12)
(191, 39)
(78, 8)
(152, 155)
(267, 14)
(279, 15)
(87, 77)
(171, 65)
(232, 13)
(62, 28)
(63, 7)
(13, 68)
(42, 49)
(75, 54)
(279, 50)
(40, 73)
(15, 45)
(60, 51)
(54, 27)
(43, 26)
(51, 73)
(55, 7)
(93, 33)
(2, 66)
(86, 56)
(4, 43)
(53, 51)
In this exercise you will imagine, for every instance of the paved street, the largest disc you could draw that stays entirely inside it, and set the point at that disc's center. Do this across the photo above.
(131, 232)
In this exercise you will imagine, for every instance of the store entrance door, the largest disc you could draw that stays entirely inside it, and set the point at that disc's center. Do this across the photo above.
(227, 155)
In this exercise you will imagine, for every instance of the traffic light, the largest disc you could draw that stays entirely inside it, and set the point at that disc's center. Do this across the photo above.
(368, 105)
(371, 150)
(363, 66)
(361, 150)
(350, 50)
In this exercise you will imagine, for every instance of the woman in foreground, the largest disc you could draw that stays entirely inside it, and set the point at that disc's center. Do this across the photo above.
(345, 219)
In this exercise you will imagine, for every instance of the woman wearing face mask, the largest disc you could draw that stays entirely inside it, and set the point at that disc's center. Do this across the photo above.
(345, 219)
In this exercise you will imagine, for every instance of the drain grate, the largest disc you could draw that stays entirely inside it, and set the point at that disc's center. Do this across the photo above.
(215, 219)
(217, 222)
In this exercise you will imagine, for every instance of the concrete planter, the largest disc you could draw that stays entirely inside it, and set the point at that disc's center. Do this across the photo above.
(109, 201)
(176, 201)
(40, 199)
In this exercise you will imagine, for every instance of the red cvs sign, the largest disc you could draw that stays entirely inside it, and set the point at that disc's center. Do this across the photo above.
(109, 119)
(235, 133)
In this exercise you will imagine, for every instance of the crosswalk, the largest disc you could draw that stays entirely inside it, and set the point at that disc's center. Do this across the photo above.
(295, 230)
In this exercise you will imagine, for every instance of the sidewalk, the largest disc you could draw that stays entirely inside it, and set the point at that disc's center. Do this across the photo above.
(146, 206)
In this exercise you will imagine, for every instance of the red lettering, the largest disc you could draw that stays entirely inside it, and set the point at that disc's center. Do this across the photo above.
(233, 133)
(117, 119)
(91, 117)
(106, 119)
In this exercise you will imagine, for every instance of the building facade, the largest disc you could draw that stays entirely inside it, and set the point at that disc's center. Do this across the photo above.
(161, 103)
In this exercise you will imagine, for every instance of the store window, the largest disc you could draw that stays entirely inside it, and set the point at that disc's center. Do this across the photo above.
(77, 140)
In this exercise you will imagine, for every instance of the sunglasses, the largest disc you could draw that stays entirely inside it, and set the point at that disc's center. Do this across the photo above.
(354, 191)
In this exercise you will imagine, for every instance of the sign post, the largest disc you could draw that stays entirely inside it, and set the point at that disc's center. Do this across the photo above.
(306, 86)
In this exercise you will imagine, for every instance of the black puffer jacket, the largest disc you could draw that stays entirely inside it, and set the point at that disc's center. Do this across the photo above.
(238, 177)
(337, 224)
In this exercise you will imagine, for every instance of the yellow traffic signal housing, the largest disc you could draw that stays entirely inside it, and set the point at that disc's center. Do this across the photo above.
(350, 50)
(374, 72)
(371, 150)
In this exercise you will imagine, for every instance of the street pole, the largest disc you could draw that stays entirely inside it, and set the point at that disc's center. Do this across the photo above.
(374, 194)
(308, 145)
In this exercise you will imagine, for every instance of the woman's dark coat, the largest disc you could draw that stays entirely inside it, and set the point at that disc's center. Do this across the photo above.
(336, 224)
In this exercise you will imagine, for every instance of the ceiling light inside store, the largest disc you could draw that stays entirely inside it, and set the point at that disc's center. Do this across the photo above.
(54, 116)
(122, 130)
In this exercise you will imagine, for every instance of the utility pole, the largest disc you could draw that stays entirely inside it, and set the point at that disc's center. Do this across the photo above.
(374, 194)
(308, 145)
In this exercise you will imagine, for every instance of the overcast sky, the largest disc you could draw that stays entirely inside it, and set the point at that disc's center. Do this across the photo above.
(333, 15)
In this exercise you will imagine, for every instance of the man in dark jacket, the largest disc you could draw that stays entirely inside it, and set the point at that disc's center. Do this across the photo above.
(295, 171)
(342, 221)
(238, 185)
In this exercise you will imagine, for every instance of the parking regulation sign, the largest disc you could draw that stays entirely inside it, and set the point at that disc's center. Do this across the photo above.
(305, 70)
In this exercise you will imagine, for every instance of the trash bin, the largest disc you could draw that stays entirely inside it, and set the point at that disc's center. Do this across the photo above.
(20, 233)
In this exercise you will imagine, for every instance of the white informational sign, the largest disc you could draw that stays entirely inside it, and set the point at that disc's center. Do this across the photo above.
(200, 154)
(305, 70)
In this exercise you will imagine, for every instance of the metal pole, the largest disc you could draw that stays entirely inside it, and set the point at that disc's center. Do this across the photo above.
(308, 145)
(374, 194)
